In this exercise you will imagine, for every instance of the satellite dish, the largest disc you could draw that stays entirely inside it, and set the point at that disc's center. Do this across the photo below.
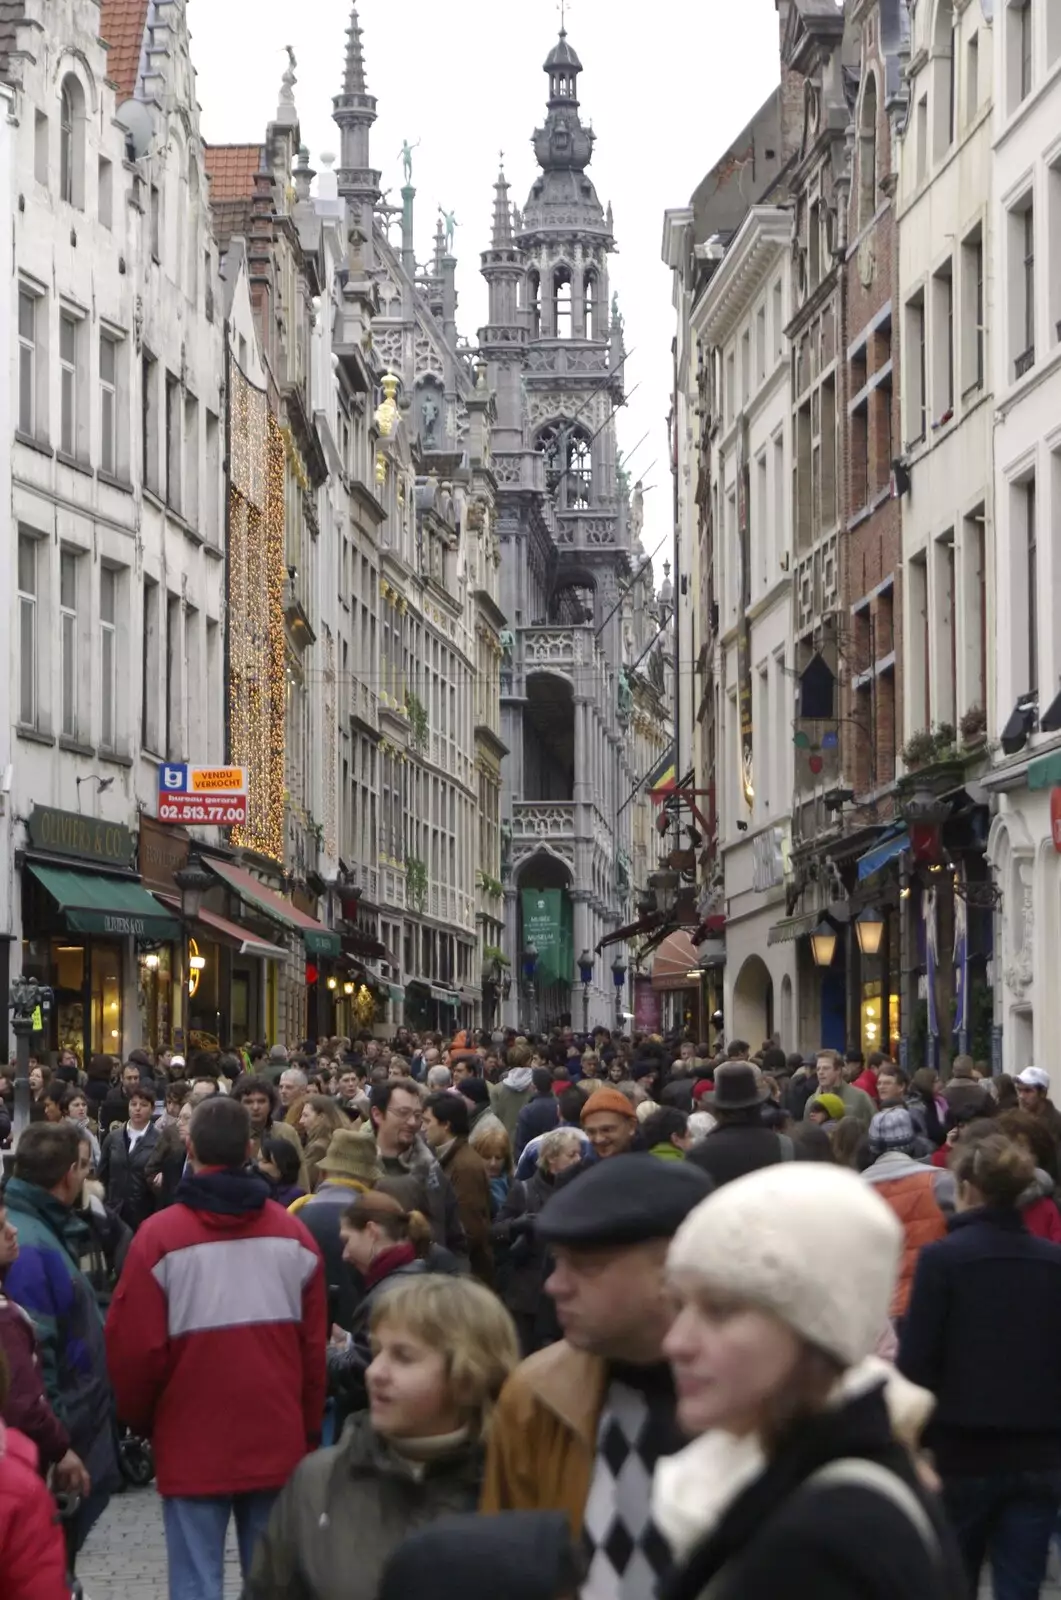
(139, 124)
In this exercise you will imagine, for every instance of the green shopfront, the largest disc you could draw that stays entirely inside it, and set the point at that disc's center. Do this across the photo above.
(85, 919)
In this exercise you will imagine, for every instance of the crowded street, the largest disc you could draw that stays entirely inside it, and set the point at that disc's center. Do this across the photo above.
(530, 801)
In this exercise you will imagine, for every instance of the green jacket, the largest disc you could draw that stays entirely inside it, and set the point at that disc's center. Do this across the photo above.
(346, 1510)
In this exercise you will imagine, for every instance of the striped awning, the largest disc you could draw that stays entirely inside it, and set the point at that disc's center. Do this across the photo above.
(675, 959)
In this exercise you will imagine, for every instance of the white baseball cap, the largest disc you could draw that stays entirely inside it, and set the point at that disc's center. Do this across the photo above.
(1033, 1078)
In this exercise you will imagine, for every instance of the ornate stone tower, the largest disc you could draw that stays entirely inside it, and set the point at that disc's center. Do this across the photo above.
(354, 111)
(555, 356)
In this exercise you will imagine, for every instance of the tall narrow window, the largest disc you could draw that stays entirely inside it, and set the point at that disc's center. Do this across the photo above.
(40, 147)
(562, 302)
(108, 405)
(1026, 46)
(27, 363)
(149, 439)
(1029, 280)
(66, 144)
(108, 656)
(155, 221)
(174, 427)
(867, 154)
(915, 357)
(67, 384)
(592, 324)
(212, 481)
(943, 343)
(149, 722)
(173, 677)
(105, 192)
(1021, 296)
(72, 142)
(191, 460)
(27, 631)
(972, 322)
(68, 672)
(972, 78)
(943, 114)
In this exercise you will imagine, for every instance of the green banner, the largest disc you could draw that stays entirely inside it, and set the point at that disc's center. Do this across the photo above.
(543, 926)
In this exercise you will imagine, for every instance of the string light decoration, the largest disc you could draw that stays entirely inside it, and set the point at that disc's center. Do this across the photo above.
(256, 572)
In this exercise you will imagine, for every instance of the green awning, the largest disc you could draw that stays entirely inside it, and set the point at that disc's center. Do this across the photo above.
(1045, 772)
(91, 902)
(396, 992)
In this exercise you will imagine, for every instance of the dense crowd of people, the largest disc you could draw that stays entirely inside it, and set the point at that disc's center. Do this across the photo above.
(677, 1321)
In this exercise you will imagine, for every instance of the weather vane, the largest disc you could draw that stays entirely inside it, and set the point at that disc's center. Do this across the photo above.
(564, 6)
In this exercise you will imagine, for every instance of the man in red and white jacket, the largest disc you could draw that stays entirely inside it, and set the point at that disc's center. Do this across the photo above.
(216, 1346)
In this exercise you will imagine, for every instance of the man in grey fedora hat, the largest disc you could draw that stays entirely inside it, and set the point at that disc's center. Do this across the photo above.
(740, 1143)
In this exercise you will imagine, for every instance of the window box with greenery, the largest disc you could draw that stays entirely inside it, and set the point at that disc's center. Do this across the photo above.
(416, 881)
(416, 711)
(973, 726)
(929, 746)
(489, 885)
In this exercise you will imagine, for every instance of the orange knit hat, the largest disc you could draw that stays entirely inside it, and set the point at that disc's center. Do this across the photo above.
(608, 1100)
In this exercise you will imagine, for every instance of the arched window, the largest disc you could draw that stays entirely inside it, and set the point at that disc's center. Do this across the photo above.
(72, 142)
(592, 307)
(568, 456)
(867, 155)
(534, 303)
(562, 308)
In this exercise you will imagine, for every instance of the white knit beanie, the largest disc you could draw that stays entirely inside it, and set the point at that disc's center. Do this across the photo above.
(812, 1243)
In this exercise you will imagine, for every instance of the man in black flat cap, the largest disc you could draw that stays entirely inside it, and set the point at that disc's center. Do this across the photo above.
(740, 1143)
(580, 1425)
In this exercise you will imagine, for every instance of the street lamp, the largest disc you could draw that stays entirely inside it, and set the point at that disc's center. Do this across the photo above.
(869, 931)
(619, 980)
(585, 972)
(823, 944)
(193, 880)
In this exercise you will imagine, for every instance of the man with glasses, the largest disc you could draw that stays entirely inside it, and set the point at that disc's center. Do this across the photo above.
(396, 1118)
(51, 1165)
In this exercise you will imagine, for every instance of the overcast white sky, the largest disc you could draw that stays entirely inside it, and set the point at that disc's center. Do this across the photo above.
(666, 88)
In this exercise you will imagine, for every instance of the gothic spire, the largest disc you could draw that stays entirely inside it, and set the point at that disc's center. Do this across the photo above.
(502, 237)
(354, 110)
(354, 77)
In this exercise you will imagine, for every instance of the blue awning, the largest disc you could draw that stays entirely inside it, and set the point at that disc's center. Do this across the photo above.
(891, 845)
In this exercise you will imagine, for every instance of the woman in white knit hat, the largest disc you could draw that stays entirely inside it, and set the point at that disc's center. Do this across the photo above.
(796, 1483)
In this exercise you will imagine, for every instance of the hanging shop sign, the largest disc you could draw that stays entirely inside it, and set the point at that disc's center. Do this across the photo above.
(216, 796)
(67, 833)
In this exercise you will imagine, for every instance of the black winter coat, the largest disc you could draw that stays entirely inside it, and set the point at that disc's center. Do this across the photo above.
(785, 1539)
(347, 1368)
(519, 1255)
(124, 1174)
(346, 1510)
(731, 1150)
(989, 1287)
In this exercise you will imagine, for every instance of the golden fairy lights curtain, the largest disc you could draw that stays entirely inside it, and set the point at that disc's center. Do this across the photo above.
(256, 570)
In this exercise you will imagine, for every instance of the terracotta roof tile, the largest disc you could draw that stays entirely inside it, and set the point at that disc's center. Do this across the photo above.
(121, 28)
(231, 169)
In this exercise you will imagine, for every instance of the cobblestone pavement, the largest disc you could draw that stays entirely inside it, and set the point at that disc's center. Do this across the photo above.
(125, 1554)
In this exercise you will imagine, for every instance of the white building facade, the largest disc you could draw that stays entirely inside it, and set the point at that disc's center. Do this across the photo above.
(738, 322)
(1026, 338)
(114, 600)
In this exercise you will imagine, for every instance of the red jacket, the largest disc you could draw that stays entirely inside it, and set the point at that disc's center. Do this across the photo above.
(32, 1547)
(867, 1081)
(217, 1337)
(1042, 1218)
